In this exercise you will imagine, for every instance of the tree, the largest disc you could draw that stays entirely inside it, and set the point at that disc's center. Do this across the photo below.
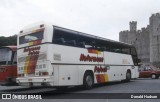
(6, 41)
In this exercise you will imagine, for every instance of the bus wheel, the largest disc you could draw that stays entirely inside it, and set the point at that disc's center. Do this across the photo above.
(128, 76)
(88, 80)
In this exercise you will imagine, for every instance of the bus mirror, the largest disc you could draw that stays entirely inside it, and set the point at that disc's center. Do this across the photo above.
(139, 62)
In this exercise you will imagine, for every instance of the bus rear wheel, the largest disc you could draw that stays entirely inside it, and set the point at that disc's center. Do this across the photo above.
(88, 80)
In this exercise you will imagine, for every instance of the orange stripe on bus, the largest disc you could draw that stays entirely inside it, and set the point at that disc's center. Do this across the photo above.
(94, 51)
(102, 78)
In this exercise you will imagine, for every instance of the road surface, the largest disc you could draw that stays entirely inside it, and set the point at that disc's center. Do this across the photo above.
(116, 89)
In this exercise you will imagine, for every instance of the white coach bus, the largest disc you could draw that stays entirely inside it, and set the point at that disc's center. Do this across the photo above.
(49, 55)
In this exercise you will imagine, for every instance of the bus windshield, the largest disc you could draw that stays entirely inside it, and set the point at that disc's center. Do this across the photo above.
(5, 56)
(31, 37)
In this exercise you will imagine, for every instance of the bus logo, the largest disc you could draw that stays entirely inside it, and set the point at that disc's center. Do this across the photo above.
(100, 69)
(32, 50)
(90, 58)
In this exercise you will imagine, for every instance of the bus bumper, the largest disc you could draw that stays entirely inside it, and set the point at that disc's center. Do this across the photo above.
(35, 81)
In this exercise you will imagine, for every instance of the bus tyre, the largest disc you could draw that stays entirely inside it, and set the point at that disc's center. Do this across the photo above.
(88, 80)
(153, 76)
(128, 76)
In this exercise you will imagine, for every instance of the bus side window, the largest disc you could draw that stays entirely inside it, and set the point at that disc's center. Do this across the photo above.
(59, 41)
(81, 44)
(102, 49)
(84, 41)
(126, 50)
(107, 49)
(70, 43)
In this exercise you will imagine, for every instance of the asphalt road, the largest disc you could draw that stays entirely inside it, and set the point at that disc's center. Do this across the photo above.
(114, 89)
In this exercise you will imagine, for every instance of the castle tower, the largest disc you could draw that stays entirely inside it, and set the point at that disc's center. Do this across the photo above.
(138, 38)
(155, 39)
(133, 26)
(123, 36)
(133, 32)
(144, 43)
(129, 36)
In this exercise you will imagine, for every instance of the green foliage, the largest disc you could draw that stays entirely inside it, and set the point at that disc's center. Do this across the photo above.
(6, 41)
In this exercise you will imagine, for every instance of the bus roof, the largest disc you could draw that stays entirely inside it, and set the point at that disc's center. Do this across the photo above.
(120, 44)
(13, 48)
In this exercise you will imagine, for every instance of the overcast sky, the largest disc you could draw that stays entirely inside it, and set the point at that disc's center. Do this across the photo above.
(105, 18)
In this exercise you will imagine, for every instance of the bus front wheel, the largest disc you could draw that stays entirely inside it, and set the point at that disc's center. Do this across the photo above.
(88, 80)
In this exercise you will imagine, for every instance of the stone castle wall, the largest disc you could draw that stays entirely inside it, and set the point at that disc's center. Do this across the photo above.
(155, 39)
(146, 40)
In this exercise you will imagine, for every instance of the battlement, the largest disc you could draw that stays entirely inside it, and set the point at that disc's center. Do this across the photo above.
(145, 39)
(133, 22)
(145, 28)
(155, 15)
(139, 31)
(124, 32)
(133, 25)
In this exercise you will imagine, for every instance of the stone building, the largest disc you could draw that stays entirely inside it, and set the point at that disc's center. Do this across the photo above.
(155, 39)
(146, 40)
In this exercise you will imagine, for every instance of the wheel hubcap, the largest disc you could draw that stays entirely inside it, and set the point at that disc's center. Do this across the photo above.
(89, 80)
(128, 75)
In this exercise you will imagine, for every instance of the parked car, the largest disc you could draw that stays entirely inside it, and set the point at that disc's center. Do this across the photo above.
(148, 72)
